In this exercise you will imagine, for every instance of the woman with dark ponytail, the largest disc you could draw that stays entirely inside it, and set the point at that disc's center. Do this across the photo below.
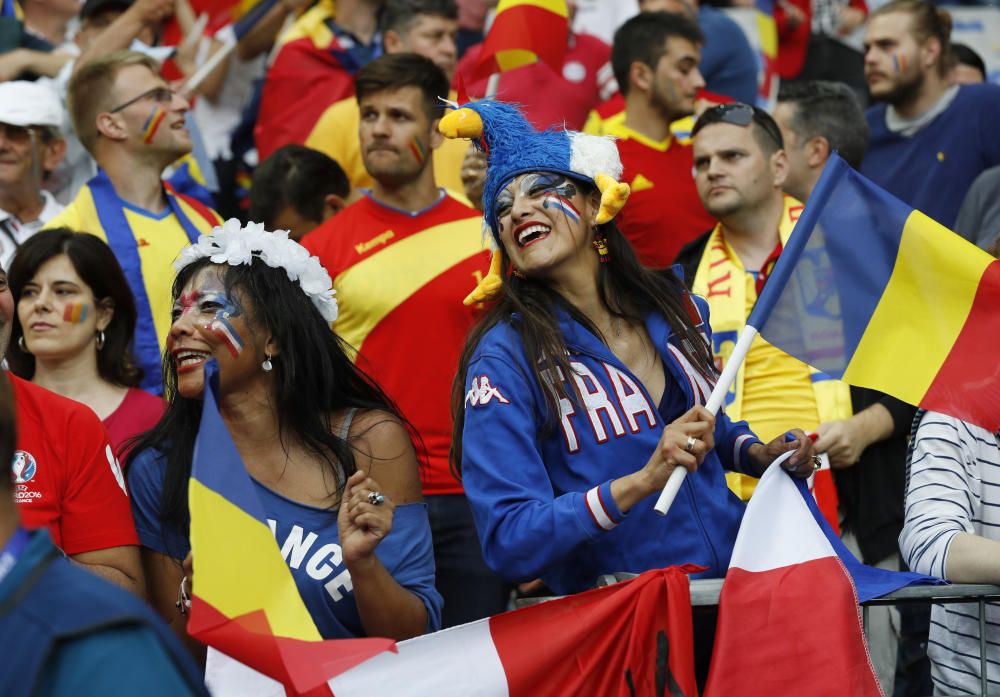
(584, 386)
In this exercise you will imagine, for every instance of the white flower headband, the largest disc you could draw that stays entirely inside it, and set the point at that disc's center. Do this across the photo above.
(233, 244)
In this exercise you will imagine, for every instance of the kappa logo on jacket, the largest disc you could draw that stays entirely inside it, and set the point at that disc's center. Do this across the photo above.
(482, 392)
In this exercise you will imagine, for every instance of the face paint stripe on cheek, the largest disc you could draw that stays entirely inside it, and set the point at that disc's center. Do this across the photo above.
(75, 313)
(152, 124)
(225, 331)
(562, 204)
(419, 150)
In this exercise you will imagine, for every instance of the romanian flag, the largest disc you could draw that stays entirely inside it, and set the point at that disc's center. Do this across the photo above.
(75, 313)
(10, 8)
(873, 292)
(246, 603)
(767, 79)
(525, 31)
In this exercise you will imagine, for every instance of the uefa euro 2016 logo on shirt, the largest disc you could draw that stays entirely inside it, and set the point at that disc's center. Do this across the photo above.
(23, 467)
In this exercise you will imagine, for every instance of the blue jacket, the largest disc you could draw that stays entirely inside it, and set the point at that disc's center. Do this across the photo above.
(541, 498)
(65, 631)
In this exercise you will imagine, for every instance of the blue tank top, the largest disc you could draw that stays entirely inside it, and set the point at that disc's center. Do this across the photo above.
(310, 544)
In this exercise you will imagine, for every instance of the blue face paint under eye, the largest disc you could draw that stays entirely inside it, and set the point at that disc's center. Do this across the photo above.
(541, 182)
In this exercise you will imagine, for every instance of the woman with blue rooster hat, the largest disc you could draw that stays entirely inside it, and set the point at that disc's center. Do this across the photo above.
(584, 385)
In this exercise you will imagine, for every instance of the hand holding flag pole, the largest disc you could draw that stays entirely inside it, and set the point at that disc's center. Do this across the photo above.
(853, 303)
(673, 484)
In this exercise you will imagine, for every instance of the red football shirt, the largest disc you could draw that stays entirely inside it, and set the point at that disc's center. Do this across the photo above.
(400, 280)
(66, 477)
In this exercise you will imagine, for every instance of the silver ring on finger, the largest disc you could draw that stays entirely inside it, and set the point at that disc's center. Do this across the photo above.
(816, 462)
(376, 498)
(691, 443)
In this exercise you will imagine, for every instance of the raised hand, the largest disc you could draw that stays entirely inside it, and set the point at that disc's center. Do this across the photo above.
(365, 517)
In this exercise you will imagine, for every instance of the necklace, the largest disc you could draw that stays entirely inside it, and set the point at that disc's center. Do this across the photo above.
(614, 328)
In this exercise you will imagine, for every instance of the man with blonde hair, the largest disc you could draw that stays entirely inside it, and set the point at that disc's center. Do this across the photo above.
(132, 124)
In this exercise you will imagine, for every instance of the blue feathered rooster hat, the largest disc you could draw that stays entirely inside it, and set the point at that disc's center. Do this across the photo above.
(514, 147)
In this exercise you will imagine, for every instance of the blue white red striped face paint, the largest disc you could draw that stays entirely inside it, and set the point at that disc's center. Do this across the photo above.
(545, 185)
(545, 225)
(560, 203)
(547, 193)
(207, 303)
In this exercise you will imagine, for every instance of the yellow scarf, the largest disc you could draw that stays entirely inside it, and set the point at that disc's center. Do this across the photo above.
(720, 280)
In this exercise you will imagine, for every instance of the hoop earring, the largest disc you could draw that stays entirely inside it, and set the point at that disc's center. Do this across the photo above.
(267, 366)
(100, 340)
(21, 345)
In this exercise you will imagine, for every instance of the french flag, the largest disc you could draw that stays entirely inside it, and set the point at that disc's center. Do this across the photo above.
(631, 638)
(789, 620)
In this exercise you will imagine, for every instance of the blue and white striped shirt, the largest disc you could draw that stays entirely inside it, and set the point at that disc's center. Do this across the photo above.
(953, 486)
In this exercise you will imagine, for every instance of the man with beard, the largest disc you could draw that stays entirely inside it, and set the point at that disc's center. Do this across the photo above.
(402, 258)
(929, 139)
(655, 59)
(132, 123)
(425, 27)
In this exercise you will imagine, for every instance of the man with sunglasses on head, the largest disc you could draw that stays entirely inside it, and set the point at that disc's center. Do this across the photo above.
(30, 148)
(132, 123)
(740, 167)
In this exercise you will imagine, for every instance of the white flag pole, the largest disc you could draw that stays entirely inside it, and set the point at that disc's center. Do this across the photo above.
(492, 85)
(726, 380)
(206, 69)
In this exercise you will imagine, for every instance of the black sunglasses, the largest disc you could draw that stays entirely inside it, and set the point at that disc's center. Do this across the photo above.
(163, 95)
(740, 114)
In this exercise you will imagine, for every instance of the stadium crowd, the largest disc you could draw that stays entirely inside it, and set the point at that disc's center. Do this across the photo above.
(427, 462)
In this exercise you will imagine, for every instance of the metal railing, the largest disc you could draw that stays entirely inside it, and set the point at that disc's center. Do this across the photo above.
(705, 592)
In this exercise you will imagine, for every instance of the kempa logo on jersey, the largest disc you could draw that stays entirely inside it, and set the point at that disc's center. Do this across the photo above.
(482, 392)
(374, 242)
(23, 467)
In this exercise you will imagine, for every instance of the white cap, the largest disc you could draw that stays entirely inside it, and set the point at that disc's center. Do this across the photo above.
(25, 103)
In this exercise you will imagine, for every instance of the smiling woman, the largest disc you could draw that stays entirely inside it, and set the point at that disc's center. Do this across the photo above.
(330, 457)
(75, 321)
(593, 372)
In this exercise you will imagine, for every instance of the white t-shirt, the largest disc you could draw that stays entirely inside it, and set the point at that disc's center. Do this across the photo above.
(13, 232)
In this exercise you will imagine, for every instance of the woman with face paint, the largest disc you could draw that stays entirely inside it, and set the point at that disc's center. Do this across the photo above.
(580, 392)
(75, 322)
(329, 456)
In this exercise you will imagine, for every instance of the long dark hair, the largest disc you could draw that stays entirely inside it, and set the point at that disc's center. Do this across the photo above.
(313, 379)
(626, 287)
(97, 266)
